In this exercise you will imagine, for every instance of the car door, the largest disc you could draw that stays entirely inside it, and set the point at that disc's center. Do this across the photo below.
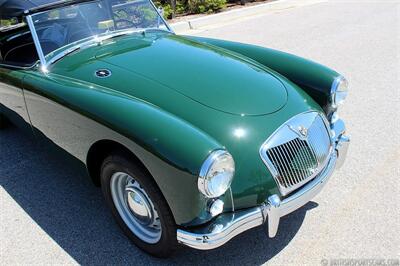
(13, 66)
(12, 102)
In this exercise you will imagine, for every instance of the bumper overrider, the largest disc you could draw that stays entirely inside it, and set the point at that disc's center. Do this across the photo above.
(228, 225)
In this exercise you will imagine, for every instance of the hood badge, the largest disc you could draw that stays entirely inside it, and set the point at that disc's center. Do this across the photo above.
(102, 73)
(301, 131)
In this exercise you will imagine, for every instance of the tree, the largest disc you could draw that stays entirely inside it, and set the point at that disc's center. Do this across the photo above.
(173, 6)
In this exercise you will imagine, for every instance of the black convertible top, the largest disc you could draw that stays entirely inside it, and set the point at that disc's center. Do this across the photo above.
(16, 8)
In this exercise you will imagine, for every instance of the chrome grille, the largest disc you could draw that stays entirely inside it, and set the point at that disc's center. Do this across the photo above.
(297, 151)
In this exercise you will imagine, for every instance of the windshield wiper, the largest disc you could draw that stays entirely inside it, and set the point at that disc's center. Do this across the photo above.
(157, 29)
(96, 39)
(63, 54)
(115, 35)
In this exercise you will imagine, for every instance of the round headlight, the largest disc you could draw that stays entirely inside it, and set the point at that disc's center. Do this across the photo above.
(216, 174)
(339, 91)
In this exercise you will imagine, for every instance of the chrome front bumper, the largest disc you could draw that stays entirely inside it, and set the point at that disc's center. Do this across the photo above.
(228, 225)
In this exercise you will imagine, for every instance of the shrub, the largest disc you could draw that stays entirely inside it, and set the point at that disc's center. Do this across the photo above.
(190, 6)
(167, 9)
(202, 6)
(8, 22)
(181, 7)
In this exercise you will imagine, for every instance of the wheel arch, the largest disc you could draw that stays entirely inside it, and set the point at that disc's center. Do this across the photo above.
(99, 150)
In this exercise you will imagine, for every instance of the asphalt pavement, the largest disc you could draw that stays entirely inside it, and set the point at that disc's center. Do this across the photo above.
(50, 213)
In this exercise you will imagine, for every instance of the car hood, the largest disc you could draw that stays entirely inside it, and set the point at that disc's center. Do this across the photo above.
(208, 75)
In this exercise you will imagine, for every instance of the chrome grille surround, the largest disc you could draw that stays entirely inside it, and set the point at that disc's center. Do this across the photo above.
(298, 150)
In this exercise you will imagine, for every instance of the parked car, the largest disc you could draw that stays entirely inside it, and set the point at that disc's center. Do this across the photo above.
(192, 140)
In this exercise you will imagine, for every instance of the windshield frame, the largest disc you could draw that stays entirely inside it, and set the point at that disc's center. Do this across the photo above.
(93, 40)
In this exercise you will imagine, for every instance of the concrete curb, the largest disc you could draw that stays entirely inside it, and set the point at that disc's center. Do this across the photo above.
(229, 16)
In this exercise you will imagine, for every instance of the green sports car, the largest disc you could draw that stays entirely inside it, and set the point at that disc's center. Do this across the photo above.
(192, 140)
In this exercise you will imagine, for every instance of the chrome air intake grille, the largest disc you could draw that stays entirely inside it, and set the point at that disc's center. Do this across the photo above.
(297, 151)
(294, 162)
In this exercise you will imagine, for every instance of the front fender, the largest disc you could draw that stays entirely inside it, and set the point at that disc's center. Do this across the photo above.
(75, 115)
(315, 79)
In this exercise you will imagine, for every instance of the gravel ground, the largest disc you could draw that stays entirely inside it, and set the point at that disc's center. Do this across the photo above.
(51, 213)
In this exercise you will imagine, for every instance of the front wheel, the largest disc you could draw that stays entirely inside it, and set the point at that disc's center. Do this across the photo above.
(138, 206)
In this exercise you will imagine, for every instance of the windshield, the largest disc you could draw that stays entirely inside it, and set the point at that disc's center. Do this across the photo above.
(65, 25)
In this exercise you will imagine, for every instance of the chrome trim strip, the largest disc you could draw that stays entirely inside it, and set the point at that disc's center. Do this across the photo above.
(17, 35)
(62, 54)
(228, 225)
(18, 67)
(36, 42)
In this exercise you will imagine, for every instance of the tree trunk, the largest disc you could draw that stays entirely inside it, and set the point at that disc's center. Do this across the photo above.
(173, 6)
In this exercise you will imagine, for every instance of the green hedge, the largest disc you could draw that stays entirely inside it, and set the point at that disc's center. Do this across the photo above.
(7, 22)
(205, 6)
(189, 6)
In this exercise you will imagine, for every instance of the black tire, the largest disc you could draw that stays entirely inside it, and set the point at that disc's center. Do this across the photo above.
(3, 122)
(119, 162)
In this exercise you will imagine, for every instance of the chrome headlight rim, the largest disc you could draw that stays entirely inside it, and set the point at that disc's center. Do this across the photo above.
(339, 85)
(204, 181)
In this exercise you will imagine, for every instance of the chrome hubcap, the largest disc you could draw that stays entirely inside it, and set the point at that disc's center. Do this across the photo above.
(135, 207)
(139, 205)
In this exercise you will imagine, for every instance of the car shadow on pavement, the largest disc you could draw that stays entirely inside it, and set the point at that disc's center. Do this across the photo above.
(55, 191)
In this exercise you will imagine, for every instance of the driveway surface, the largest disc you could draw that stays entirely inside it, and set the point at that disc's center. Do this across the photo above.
(51, 214)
